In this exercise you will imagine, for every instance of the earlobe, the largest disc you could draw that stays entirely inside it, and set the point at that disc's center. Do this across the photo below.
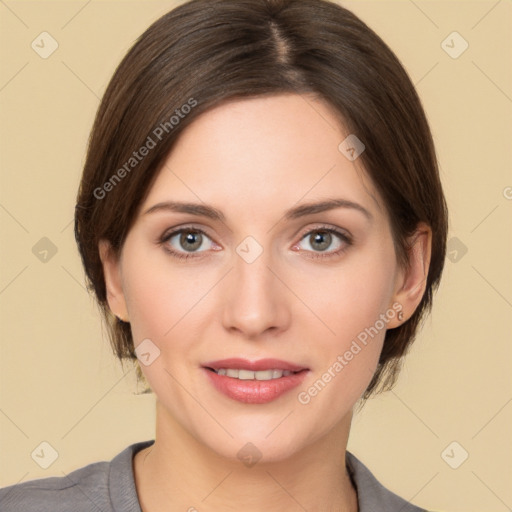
(113, 283)
(412, 281)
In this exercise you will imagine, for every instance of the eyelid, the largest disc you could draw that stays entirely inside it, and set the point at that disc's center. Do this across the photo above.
(301, 233)
(345, 236)
(185, 227)
(327, 227)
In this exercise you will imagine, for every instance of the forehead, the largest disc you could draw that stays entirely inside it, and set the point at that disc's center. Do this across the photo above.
(269, 152)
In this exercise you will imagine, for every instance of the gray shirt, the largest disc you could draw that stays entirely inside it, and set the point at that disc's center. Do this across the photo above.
(110, 487)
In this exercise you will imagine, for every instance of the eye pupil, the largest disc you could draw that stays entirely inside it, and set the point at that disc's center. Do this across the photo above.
(193, 238)
(323, 238)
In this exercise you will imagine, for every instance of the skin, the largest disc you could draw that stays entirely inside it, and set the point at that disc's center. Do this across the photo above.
(254, 159)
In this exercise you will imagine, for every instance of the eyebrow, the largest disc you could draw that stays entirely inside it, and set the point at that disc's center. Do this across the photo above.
(303, 210)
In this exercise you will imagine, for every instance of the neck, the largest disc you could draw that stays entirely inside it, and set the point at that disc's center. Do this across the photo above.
(178, 472)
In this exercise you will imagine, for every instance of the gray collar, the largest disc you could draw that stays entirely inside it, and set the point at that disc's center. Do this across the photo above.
(371, 494)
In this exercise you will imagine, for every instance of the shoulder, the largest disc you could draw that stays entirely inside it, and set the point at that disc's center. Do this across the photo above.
(372, 495)
(96, 487)
(78, 490)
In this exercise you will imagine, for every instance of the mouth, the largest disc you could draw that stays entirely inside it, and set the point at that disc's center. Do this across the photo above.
(241, 374)
(254, 382)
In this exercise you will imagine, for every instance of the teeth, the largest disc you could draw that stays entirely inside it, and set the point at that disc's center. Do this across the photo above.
(250, 375)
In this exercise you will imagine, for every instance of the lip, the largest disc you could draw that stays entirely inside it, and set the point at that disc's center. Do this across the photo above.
(254, 391)
(260, 364)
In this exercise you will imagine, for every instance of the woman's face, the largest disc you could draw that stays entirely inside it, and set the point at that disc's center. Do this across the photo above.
(254, 274)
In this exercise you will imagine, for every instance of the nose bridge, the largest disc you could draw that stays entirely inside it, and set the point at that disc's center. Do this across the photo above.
(254, 302)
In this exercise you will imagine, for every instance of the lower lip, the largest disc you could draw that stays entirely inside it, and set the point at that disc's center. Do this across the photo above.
(255, 391)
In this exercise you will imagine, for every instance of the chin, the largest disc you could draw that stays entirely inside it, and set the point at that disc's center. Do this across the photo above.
(258, 449)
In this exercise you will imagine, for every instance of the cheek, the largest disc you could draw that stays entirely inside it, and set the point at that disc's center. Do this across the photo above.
(348, 298)
(160, 301)
(160, 293)
(348, 329)
(171, 305)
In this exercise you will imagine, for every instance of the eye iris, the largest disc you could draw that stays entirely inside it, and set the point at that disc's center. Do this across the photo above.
(195, 239)
(323, 238)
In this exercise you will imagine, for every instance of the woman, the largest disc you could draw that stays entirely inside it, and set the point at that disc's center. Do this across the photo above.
(262, 222)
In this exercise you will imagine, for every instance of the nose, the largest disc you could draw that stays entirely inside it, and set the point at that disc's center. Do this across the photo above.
(256, 301)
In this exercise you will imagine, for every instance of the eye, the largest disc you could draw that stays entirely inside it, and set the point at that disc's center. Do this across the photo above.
(319, 240)
(184, 242)
(190, 242)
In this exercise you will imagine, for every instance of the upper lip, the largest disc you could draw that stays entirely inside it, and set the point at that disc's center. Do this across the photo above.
(260, 364)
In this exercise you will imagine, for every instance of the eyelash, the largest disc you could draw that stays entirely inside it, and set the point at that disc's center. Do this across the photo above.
(322, 229)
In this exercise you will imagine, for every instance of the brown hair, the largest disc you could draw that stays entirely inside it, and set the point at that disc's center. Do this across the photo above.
(207, 52)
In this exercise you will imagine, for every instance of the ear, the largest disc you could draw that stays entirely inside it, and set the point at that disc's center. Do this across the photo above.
(113, 282)
(411, 282)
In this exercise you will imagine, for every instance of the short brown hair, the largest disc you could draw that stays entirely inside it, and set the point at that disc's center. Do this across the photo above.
(206, 52)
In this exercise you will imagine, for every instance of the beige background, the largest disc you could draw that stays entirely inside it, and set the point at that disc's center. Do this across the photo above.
(59, 380)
